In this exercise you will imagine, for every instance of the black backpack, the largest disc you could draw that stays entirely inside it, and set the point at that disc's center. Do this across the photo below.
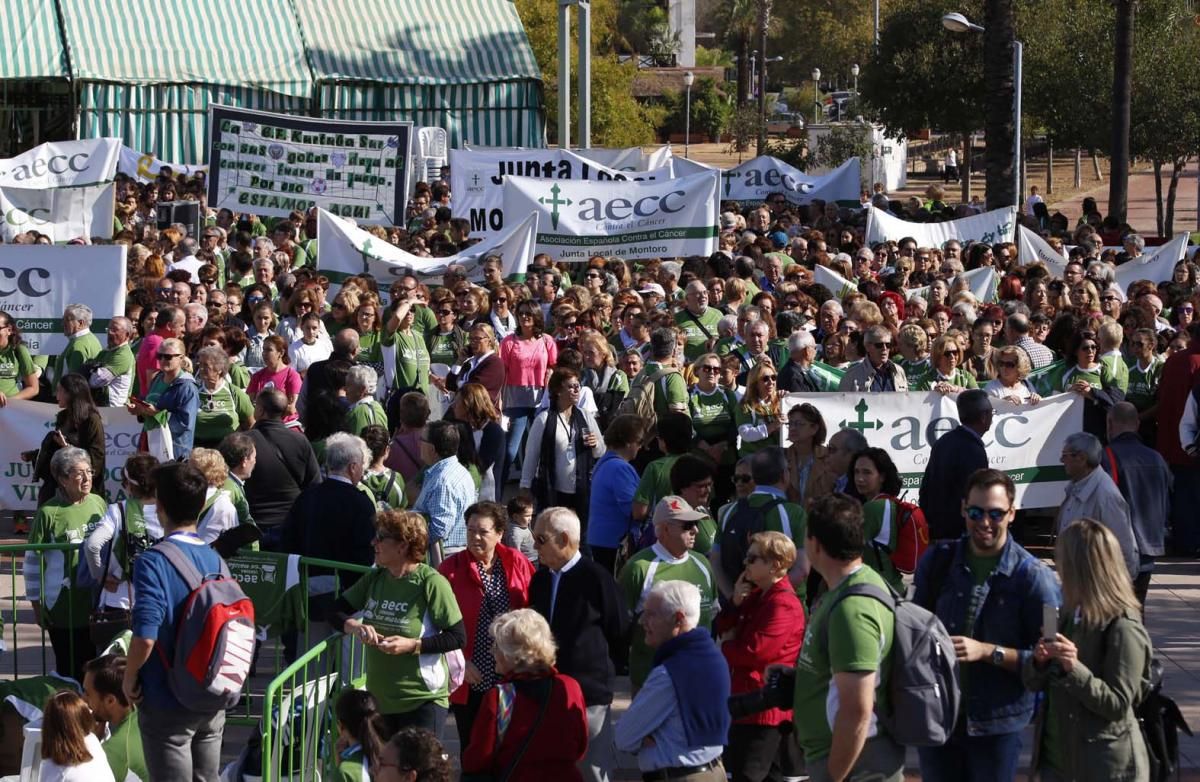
(742, 522)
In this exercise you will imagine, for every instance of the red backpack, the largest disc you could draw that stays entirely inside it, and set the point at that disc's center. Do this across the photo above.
(214, 643)
(912, 536)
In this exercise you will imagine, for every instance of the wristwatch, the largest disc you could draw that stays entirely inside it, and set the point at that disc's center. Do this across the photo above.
(997, 655)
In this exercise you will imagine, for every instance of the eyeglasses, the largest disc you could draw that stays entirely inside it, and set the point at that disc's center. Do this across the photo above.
(709, 368)
(78, 474)
(767, 378)
(595, 276)
(1088, 346)
(1187, 308)
(541, 540)
(502, 300)
(742, 479)
(687, 526)
(949, 353)
(574, 387)
(167, 356)
(994, 515)
(445, 312)
(525, 315)
(1109, 298)
(880, 344)
(1009, 364)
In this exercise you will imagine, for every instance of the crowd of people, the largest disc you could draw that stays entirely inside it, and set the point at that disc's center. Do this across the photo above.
(598, 469)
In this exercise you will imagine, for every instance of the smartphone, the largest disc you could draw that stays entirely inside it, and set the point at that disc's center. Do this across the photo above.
(1049, 622)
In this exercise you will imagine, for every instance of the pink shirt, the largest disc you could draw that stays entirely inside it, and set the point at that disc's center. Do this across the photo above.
(286, 380)
(147, 360)
(526, 360)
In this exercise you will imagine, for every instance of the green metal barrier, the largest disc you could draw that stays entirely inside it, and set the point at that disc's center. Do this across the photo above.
(299, 729)
(16, 612)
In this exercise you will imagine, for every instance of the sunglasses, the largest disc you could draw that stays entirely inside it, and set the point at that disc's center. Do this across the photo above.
(167, 356)
(525, 315)
(1088, 346)
(881, 344)
(949, 353)
(1008, 364)
(767, 378)
(445, 312)
(710, 369)
(995, 515)
(688, 526)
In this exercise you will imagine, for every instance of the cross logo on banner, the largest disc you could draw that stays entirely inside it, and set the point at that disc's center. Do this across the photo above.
(554, 203)
(862, 424)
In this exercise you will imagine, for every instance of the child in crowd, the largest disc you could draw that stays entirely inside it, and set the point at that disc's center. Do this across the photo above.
(360, 735)
(70, 750)
(518, 533)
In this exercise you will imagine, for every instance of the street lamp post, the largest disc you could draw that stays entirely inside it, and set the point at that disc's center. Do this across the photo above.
(689, 78)
(816, 77)
(854, 71)
(957, 23)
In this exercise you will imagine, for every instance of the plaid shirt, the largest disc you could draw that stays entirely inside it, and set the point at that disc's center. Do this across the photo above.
(446, 493)
(1039, 355)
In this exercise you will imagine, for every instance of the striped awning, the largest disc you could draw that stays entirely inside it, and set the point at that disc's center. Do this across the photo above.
(231, 43)
(416, 41)
(30, 44)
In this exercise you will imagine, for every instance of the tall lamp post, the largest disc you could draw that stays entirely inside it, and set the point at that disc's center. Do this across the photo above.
(816, 77)
(689, 79)
(957, 23)
(854, 71)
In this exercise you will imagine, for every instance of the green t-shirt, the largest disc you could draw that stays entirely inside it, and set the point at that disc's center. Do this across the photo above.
(15, 365)
(352, 766)
(386, 487)
(694, 328)
(77, 351)
(272, 582)
(364, 413)
(239, 374)
(959, 377)
(445, 348)
(424, 321)
(412, 359)
(221, 412)
(917, 372)
(63, 604)
(124, 750)
(1143, 384)
(1117, 373)
(669, 390)
(859, 640)
(881, 528)
(120, 362)
(237, 495)
(981, 568)
(713, 417)
(370, 351)
(656, 482)
(421, 603)
(706, 533)
(647, 568)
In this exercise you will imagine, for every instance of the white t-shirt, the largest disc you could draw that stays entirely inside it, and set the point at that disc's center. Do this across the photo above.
(304, 356)
(190, 264)
(94, 770)
(1029, 202)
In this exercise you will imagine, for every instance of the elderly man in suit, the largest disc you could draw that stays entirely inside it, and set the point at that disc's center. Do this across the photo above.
(583, 604)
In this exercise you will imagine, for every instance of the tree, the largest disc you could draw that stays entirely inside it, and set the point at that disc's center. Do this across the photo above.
(999, 20)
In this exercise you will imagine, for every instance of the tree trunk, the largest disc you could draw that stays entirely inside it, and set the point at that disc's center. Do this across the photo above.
(1096, 165)
(1118, 184)
(1172, 191)
(1078, 168)
(1158, 202)
(998, 57)
(964, 166)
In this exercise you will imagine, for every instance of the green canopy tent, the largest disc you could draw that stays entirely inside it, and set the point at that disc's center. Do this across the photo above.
(35, 96)
(147, 70)
(463, 66)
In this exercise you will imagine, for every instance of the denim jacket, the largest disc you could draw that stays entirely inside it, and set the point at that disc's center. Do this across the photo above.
(1010, 615)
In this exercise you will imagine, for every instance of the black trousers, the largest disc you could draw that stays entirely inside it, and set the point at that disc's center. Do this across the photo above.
(428, 715)
(761, 753)
(464, 717)
(72, 648)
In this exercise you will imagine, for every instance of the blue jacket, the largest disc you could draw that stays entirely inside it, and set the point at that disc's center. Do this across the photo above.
(1010, 615)
(181, 400)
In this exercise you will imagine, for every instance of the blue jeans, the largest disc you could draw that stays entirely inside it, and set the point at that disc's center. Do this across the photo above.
(519, 419)
(972, 758)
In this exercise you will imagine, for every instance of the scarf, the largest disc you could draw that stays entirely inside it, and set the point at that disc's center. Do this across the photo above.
(546, 481)
(692, 658)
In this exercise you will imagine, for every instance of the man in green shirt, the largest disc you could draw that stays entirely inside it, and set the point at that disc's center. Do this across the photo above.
(670, 390)
(692, 477)
(364, 410)
(82, 344)
(843, 664)
(697, 321)
(113, 378)
(102, 690)
(671, 558)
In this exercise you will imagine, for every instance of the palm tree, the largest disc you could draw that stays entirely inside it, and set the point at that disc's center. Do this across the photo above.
(999, 20)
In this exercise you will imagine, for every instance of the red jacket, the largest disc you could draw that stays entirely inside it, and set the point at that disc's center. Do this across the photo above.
(1178, 376)
(769, 629)
(560, 742)
(459, 569)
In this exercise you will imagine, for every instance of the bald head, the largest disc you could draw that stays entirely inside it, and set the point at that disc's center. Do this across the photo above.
(1122, 418)
(345, 343)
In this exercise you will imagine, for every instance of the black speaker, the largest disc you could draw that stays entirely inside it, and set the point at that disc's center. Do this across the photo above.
(185, 212)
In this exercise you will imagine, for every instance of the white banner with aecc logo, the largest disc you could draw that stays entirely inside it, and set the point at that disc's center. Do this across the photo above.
(1025, 441)
(23, 426)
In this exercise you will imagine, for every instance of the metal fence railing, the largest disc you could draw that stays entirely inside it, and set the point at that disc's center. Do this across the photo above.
(290, 703)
